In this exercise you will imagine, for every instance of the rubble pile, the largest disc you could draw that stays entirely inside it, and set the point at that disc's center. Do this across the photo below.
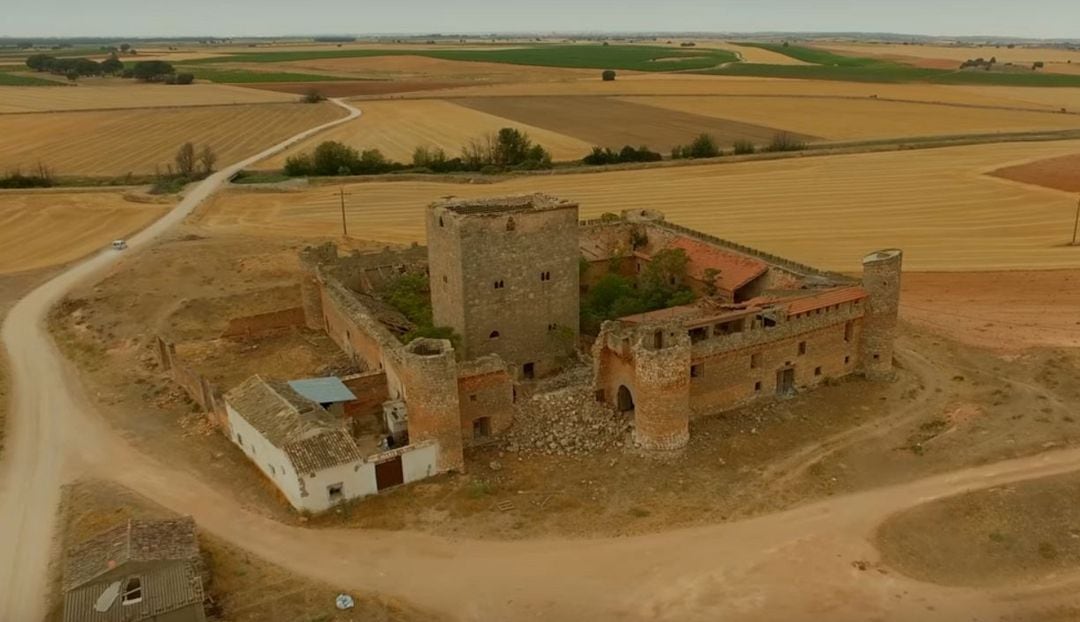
(566, 422)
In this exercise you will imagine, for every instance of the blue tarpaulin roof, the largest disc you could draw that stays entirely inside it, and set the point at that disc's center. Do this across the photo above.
(323, 390)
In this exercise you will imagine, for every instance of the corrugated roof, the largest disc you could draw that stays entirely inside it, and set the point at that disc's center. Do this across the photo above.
(826, 299)
(734, 270)
(323, 390)
(311, 437)
(165, 588)
(132, 541)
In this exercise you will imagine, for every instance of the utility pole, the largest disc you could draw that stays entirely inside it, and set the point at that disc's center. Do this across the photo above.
(1076, 223)
(344, 227)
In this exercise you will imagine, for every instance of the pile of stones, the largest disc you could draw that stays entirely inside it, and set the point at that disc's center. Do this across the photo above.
(566, 422)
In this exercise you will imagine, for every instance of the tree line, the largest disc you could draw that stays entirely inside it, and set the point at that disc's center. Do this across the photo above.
(75, 68)
(509, 149)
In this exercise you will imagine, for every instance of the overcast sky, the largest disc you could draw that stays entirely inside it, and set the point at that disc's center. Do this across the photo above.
(1034, 18)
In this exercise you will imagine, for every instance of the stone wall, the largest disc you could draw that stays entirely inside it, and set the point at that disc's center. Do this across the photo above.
(881, 279)
(428, 374)
(507, 281)
(198, 388)
(485, 389)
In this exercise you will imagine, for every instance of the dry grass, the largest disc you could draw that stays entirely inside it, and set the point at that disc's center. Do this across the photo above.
(997, 536)
(826, 210)
(114, 144)
(397, 128)
(39, 229)
(110, 94)
(854, 119)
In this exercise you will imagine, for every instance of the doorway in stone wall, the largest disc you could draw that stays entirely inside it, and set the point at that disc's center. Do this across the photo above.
(785, 382)
(624, 400)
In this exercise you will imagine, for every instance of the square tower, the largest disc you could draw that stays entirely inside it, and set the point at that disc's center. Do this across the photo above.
(504, 276)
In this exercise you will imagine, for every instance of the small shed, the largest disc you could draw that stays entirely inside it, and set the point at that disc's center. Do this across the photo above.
(330, 393)
(137, 571)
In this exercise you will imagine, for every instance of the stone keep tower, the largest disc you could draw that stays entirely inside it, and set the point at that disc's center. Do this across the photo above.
(504, 276)
(881, 279)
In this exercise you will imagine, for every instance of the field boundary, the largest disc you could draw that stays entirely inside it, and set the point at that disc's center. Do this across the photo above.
(174, 107)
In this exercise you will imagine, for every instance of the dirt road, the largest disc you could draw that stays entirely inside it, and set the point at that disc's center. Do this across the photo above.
(49, 416)
(805, 563)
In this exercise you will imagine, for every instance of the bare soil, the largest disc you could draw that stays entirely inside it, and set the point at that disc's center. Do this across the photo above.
(953, 405)
(613, 123)
(1003, 535)
(1060, 173)
(243, 587)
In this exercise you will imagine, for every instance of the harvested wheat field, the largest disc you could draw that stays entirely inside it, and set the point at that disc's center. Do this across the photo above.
(354, 88)
(424, 68)
(855, 119)
(1060, 173)
(752, 54)
(825, 210)
(141, 141)
(673, 84)
(108, 94)
(610, 122)
(958, 54)
(398, 127)
(46, 228)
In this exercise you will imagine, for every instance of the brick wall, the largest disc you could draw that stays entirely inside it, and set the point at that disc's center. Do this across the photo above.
(485, 389)
(370, 390)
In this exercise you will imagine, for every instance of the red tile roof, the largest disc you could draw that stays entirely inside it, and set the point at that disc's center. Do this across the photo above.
(735, 270)
(827, 298)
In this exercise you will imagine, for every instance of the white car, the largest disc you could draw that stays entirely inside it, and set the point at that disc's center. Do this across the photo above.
(119, 245)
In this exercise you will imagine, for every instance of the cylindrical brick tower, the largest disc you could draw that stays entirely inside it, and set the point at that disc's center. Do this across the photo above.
(427, 370)
(662, 384)
(881, 279)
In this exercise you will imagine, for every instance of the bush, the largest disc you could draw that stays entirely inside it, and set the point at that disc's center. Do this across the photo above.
(41, 178)
(662, 284)
(600, 156)
(608, 76)
(704, 147)
(185, 78)
(313, 96)
(299, 165)
(785, 142)
(743, 147)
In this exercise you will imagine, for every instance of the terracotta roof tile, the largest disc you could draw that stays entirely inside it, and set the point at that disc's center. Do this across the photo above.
(824, 299)
(735, 270)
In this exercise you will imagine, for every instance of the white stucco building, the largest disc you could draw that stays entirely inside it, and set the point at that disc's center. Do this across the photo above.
(308, 452)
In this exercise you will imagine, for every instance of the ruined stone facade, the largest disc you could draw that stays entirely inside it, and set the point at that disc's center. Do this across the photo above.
(507, 275)
(504, 276)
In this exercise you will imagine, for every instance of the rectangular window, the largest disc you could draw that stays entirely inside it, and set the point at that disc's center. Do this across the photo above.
(817, 371)
(336, 492)
(849, 331)
(528, 370)
(696, 371)
(847, 359)
(802, 348)
(472, 398)
(481, 428)
(500, 284)
(757, 387)
(755, 360)
(545, 276)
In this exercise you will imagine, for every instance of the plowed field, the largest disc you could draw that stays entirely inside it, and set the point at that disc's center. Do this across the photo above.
(827, 211)
(141, 141)
(39, 229)
(610, 122)
(1060, 173)
(397, 127)
(125, 94)
(853, 119)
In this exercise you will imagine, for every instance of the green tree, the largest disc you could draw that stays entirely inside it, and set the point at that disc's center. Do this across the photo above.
(185, 78)
(608, 76)
(152, 70)
(704, 147)
(40, 62)
(112, 65)
(332, 157)
(207, 159)
(299, 165)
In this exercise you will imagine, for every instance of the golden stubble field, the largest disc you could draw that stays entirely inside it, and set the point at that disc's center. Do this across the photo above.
(46, 228)
(425, 68)
(397, 127)
(954, 55)
(114, 143)
(108, 93)
(829, 211)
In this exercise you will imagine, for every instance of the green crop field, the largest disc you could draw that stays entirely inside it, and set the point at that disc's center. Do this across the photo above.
(19, 79)
(244, 76)
(629, 57)
(829, 66)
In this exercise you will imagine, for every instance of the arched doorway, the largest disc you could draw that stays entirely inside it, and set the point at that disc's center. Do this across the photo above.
(625, 400)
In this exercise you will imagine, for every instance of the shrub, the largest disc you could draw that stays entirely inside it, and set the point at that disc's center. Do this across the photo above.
(600, 156)
(313, 96)
(743, 147)
(42, 178)
(185, 160)
(704, 147)
(331, 157)
(608, 75)
(299, 165)
(185, 78)
(784, 142)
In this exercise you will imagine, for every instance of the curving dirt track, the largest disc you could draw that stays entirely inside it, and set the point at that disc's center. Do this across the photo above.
(793, 565)
(49, 415)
